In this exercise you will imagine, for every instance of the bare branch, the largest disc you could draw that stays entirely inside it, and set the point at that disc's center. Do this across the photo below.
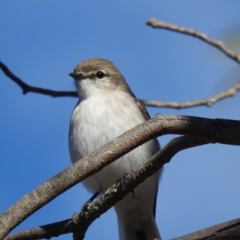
(46, 231)
(229, 230)
(194, 33)
(214, 130)
(120, 189)
(150, 103)
(195, 103)
(27, 88)
(82, 221)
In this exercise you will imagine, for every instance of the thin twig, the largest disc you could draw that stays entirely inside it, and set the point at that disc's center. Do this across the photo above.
(27, 88)
(82, 221)
(46, 231)
(150, 103)
(194, 33)
(195, 103)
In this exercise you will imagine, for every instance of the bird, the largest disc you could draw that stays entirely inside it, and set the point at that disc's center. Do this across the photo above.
(106, 109)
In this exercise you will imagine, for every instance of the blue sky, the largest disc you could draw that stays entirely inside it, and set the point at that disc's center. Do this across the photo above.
(42, 41)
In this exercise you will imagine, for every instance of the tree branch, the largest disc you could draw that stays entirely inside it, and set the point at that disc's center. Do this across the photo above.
(195, 103)
(27, 88)
(122, 187)
(229, 230)
(82, 221)
(150, 103)
(214, 130)
(45, 231)
(194, 33)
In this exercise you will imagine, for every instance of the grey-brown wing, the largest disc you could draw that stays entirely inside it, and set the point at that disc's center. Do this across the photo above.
(143, 109)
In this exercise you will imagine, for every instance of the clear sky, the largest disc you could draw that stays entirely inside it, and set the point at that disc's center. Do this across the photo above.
(42, 41)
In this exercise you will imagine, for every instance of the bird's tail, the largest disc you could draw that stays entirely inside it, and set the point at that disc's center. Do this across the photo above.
(148, 231)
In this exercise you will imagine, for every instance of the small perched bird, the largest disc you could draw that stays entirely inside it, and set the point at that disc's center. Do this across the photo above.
(106, 109)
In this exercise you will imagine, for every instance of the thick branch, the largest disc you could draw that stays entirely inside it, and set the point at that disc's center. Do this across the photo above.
(132, 180)
(112, 195)
(194, 33)
(214, 130)
(229, 230)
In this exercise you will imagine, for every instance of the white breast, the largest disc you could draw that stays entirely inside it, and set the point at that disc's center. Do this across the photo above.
(99, 119)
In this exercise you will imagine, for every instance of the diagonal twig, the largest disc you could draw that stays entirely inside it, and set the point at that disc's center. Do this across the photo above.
(27, 88)
(194, 33)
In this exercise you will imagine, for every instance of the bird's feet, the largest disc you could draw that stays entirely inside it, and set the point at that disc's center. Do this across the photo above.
(85, 206)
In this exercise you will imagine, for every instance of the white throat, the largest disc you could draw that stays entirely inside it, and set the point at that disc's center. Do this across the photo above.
(90, 88)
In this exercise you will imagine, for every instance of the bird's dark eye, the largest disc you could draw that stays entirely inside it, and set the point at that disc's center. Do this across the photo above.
(100, 74)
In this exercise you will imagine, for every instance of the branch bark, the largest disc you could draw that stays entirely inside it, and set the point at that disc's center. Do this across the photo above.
(80, 223)
(229, 230)
(213, 130)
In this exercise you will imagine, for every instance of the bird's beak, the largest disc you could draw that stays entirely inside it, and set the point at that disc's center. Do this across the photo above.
(73, 75)
(76, 76)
